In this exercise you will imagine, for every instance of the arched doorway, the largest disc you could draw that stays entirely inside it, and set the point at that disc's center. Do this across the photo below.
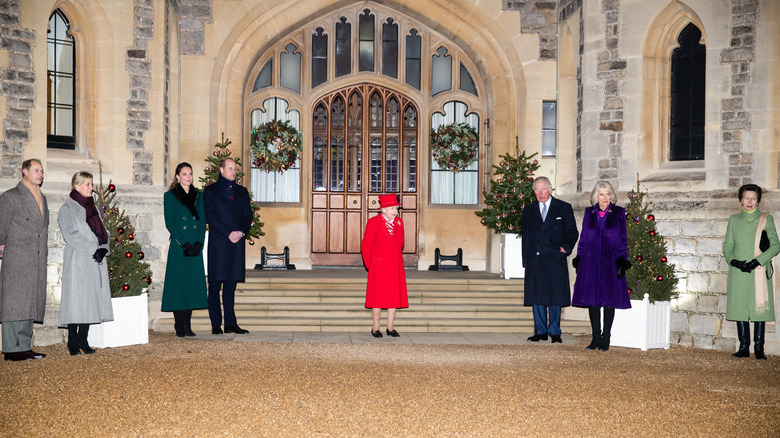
(364, 144)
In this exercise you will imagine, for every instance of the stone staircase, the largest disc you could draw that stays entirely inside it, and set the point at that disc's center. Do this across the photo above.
(477, 303)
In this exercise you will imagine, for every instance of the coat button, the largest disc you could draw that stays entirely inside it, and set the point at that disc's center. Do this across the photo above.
(195, 227)
(185, 228)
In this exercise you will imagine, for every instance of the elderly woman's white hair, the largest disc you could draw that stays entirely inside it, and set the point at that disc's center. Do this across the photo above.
(594, 195)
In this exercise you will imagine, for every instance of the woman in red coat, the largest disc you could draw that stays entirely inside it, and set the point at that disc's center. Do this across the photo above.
(382, 250)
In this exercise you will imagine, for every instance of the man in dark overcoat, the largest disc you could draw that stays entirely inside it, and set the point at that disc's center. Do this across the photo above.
(549, 234)
(229, 216)
(24, 226)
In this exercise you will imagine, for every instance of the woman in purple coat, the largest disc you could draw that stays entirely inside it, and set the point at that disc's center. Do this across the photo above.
(601, 263)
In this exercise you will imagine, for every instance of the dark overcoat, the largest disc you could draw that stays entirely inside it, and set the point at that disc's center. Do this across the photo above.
(185, 277)
(602, 241)
(227, 260)
(86, 291)
(383, 257)
(24, 232)
(546, 271)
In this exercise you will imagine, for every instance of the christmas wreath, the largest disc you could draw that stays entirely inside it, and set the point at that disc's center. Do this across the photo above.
(455, 146)
(275, 146)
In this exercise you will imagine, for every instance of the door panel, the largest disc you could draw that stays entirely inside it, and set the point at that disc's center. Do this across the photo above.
(344, 132)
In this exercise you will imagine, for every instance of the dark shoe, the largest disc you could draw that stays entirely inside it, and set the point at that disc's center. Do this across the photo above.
(236, 329)
(87, 349)
(16, 356)
(758, 340)
(594, 343)
(83, 335)
(216, 330)
(392, 333)
(73, 340)
(556, 338)
(190, 332)
(604, 344)
(537, 338)
(743, 334)
(33, 355)
(376, 333)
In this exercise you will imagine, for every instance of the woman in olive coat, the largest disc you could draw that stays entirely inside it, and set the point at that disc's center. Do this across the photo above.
(86, 292)
(185, 276)
(750, 294)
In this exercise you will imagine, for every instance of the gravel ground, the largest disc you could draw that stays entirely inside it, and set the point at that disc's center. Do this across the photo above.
(178, 387)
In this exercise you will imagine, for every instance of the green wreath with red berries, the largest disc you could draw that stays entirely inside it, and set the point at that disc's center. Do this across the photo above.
(275, 146)
(455, 146)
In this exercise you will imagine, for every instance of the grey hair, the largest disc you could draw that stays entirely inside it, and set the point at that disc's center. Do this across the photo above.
(594, 195)
(543, 179)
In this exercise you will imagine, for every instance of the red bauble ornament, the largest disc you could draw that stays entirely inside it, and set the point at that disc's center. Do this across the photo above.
(130, 236)
(650, 217)
(639, 257)
(148, 280)
(141, 255)
(629, 290)
(125, 286)
(664, 259)
(128, 254)
(652, 233)
(251, 242)
(659, 278)
(111, 188)
(120, 230)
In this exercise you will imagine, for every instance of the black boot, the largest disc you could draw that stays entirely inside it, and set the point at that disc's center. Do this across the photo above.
(188, 323)
(606, 333)
(83, 344)
(594, 312)
(178, 323)
(758, 340)
(743, 334)
(73, 339)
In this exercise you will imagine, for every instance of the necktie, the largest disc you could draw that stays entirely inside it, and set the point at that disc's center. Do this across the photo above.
(544, 212)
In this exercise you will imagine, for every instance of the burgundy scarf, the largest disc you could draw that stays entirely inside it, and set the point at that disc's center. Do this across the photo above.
(93, 218)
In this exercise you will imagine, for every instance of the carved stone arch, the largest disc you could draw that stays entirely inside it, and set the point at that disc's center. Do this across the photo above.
(653, 147)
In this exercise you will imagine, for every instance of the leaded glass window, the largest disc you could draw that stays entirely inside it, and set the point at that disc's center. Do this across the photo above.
(61, 84)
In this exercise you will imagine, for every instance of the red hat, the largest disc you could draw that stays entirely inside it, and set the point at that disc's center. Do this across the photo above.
(388, 201)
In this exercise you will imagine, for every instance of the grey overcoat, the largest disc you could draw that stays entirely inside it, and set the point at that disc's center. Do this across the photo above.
(86, 292)
(24, 232)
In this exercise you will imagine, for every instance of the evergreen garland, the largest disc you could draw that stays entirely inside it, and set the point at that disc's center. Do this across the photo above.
(127, 274)
(510, 191)
(651, 273)
(212, 174)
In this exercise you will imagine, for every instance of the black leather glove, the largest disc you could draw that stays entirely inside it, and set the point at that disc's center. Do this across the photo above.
(622, 265)
(189, 250)
(198, 246)
(99, 254)
(575, 262)
(739, 264)
(749, 266)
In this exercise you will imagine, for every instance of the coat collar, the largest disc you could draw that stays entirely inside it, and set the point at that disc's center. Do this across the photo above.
(30, 205)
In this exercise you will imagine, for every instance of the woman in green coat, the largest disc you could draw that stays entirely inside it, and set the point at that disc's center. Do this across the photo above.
(750, 294)
(185, 277)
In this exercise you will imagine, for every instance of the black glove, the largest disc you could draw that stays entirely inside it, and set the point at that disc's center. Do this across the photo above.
(198, 246)
(739, 264)
(622, 265)
(99, 254)
(189, 250)
(749, 266)
(575, 262)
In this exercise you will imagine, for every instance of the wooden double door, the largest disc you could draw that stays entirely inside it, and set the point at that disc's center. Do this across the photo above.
(364, 145)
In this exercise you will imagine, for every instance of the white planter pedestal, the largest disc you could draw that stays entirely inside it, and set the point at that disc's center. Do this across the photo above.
(511, 254)
(129, 327)
(642, 326)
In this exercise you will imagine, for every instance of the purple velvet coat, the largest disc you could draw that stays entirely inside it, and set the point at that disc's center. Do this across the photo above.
(602, 241)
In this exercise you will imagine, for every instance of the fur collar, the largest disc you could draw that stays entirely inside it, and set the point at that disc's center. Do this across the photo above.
(189, 200)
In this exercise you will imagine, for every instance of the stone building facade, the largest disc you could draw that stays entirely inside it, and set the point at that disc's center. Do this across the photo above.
(159, 81)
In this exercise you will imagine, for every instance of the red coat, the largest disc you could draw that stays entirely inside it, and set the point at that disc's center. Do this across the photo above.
(383, 257)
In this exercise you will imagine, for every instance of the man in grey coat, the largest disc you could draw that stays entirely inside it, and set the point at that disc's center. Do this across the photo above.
(24, 225)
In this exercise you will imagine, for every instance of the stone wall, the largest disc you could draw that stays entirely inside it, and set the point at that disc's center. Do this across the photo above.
(538, 17)
(139, 65)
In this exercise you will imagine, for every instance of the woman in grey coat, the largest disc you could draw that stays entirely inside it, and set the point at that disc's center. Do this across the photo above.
(86, 295)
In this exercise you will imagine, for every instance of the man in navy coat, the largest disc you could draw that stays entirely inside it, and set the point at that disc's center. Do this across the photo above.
(229, 216)
(549, 235)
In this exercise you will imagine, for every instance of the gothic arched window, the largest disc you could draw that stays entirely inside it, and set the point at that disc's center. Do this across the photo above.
(61, 84)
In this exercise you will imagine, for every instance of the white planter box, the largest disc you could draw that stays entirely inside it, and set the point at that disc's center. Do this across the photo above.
(129, 327)
(511, 254)
(642, 326)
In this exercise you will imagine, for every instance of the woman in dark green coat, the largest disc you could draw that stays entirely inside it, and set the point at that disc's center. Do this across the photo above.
(750, 294)
(185, 277)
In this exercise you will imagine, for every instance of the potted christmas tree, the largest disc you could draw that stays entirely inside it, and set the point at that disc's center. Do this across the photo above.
(651, 282)
(510, 191)
(128, 274)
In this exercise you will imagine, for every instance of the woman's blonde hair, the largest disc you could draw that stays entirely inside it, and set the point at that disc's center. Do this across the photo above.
(594, 195)
(79, 178)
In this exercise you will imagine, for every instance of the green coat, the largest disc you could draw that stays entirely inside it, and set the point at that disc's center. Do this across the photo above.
(185, 277)
(739, 244)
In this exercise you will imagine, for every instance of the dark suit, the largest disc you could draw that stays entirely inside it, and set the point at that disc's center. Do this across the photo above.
(226, 260)
(546, 270)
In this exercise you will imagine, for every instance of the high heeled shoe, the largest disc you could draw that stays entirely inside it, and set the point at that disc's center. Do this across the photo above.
(376, 333)
(393, 333)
